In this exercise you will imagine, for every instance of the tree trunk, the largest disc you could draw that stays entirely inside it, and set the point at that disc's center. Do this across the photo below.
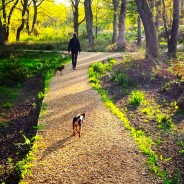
(4, 18)
(25, 3)
(89, 21)
(138, 31)
(2, 40)
(182, 9)
(165, 22)
(122, 16)
(27, 23)
(158, 14)
(152, 48)
(115, 6)
(75, 8)
(35, 15)
(96, 20)
(9, 19)
(174, 31)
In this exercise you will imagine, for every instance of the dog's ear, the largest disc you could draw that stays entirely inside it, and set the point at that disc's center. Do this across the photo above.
(83, 115)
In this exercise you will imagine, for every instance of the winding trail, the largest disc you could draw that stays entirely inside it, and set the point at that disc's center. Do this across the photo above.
(104, 154)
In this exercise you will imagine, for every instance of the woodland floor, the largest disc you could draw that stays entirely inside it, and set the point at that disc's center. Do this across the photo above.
(23, 116)
(16, 122)
(161, 89)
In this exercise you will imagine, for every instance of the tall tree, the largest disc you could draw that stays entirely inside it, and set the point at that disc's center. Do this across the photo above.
(122, 17)
(36, 4)
(2, 40)
(146, 14)
(134, 18)
(174, 31)
(164, 16)
(182, 8)
(89, 21)
(4, 18)
(9, 19)
(23, 20)
(75, 9)
(115, 8)
(138, 30)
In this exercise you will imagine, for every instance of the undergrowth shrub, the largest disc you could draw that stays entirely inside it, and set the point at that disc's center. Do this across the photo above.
(12, 72)
(136, 98)
(123, 80)
(164, 122)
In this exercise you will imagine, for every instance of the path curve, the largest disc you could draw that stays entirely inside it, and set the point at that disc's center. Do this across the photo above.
(104, 154)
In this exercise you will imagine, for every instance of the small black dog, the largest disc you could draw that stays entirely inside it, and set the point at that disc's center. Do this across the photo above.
(59, 69)
(77, 123)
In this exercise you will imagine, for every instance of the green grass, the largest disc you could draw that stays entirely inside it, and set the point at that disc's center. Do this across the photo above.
(21, 66)
(136, 98)
(8, 96)
(123, 80)
(164, 122)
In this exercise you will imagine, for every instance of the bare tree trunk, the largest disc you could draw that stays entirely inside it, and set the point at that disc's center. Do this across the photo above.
(9, 19)
(35, 15)
(25, 3)
(96, 19)
(122, 17)
(138, 31)
(27, 22)
(165, 22)
(4, 18)
(182, 9)
(89, 21)
(115, 6)
(75, 8)
(2, 40)
(152, 48)
(158, 14)
(174, 31)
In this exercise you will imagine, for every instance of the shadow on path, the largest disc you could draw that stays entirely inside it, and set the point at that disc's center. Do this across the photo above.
(56, 146)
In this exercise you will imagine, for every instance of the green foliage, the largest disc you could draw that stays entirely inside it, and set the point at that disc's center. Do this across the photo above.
(12, 72)
(38, 127)
(181, 144)
(4, 124)
(123, 80)
(147, 110)
(40, 95)
(136, 98)
(164, 122)
(23, 167)
(100, 68)
(174, 179)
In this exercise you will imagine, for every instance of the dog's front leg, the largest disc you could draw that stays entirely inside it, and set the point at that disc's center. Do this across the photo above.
(80, 128)
(73, 127)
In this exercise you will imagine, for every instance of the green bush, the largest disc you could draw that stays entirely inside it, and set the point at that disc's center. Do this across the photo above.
(164, 122)
(136, 98)
(12, 72)
(123, 80)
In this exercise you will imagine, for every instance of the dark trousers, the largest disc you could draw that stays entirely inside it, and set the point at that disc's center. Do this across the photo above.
(74, 58)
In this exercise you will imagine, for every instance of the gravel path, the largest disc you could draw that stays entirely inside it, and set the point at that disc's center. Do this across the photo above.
(105, 153)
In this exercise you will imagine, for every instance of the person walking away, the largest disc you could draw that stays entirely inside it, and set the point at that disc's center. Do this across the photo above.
(74, 48)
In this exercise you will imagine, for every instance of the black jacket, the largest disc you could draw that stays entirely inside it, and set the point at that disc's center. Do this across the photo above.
(74, 45)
